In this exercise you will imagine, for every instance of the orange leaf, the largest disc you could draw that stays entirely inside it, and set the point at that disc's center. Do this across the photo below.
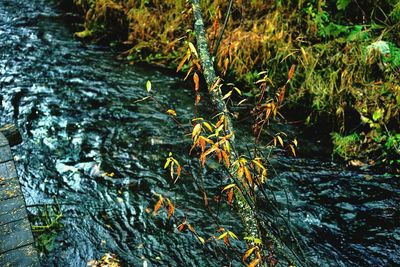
(254, 263)
(248, 253)
(185, 58)
(226, 158)
(226, 240)
(291, 72)
(196, 82)
(182, 226)
(230, 196)
(171, 208)
(179, 170)
(158, 205)
(215, 84)
(248, 175)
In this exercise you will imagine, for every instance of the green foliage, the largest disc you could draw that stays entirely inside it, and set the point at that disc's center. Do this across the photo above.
(347, 147)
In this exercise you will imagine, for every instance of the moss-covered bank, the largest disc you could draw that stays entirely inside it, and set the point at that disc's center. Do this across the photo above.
(347, 55)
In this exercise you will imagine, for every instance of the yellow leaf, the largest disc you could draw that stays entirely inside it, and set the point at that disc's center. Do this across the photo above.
(295, 142)
(227, 95)
(293, 150)
(171, 112)
(248, 253)
(241, 102)
(201, 239)
(228, 187)
(280, 140)
(193, 49)
(167, 163)
(222, 235)
(196, 130)
(208, 126)
(232, 234)
(237, 90)
(148, 86)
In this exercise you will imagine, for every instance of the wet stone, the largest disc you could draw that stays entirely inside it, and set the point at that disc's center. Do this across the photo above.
(23, 256)
(3, 140)
(7, 170)
(15, 235)
(5, 154)
(9, 188)
(12, 209)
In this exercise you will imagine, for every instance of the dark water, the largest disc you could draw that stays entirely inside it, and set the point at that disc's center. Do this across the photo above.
(75, 106)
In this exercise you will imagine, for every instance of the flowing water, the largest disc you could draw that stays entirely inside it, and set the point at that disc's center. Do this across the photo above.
(97, 151)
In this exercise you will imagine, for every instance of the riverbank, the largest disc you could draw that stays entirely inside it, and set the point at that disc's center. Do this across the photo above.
(347, 57)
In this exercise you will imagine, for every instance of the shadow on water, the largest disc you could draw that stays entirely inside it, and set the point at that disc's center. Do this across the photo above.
(75, 106)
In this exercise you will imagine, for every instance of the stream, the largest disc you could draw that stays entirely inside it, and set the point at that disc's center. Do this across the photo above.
(93, 148)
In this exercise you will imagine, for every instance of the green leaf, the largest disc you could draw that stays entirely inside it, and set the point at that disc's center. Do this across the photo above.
(378, 114)
(342, 4)
(148, 86)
